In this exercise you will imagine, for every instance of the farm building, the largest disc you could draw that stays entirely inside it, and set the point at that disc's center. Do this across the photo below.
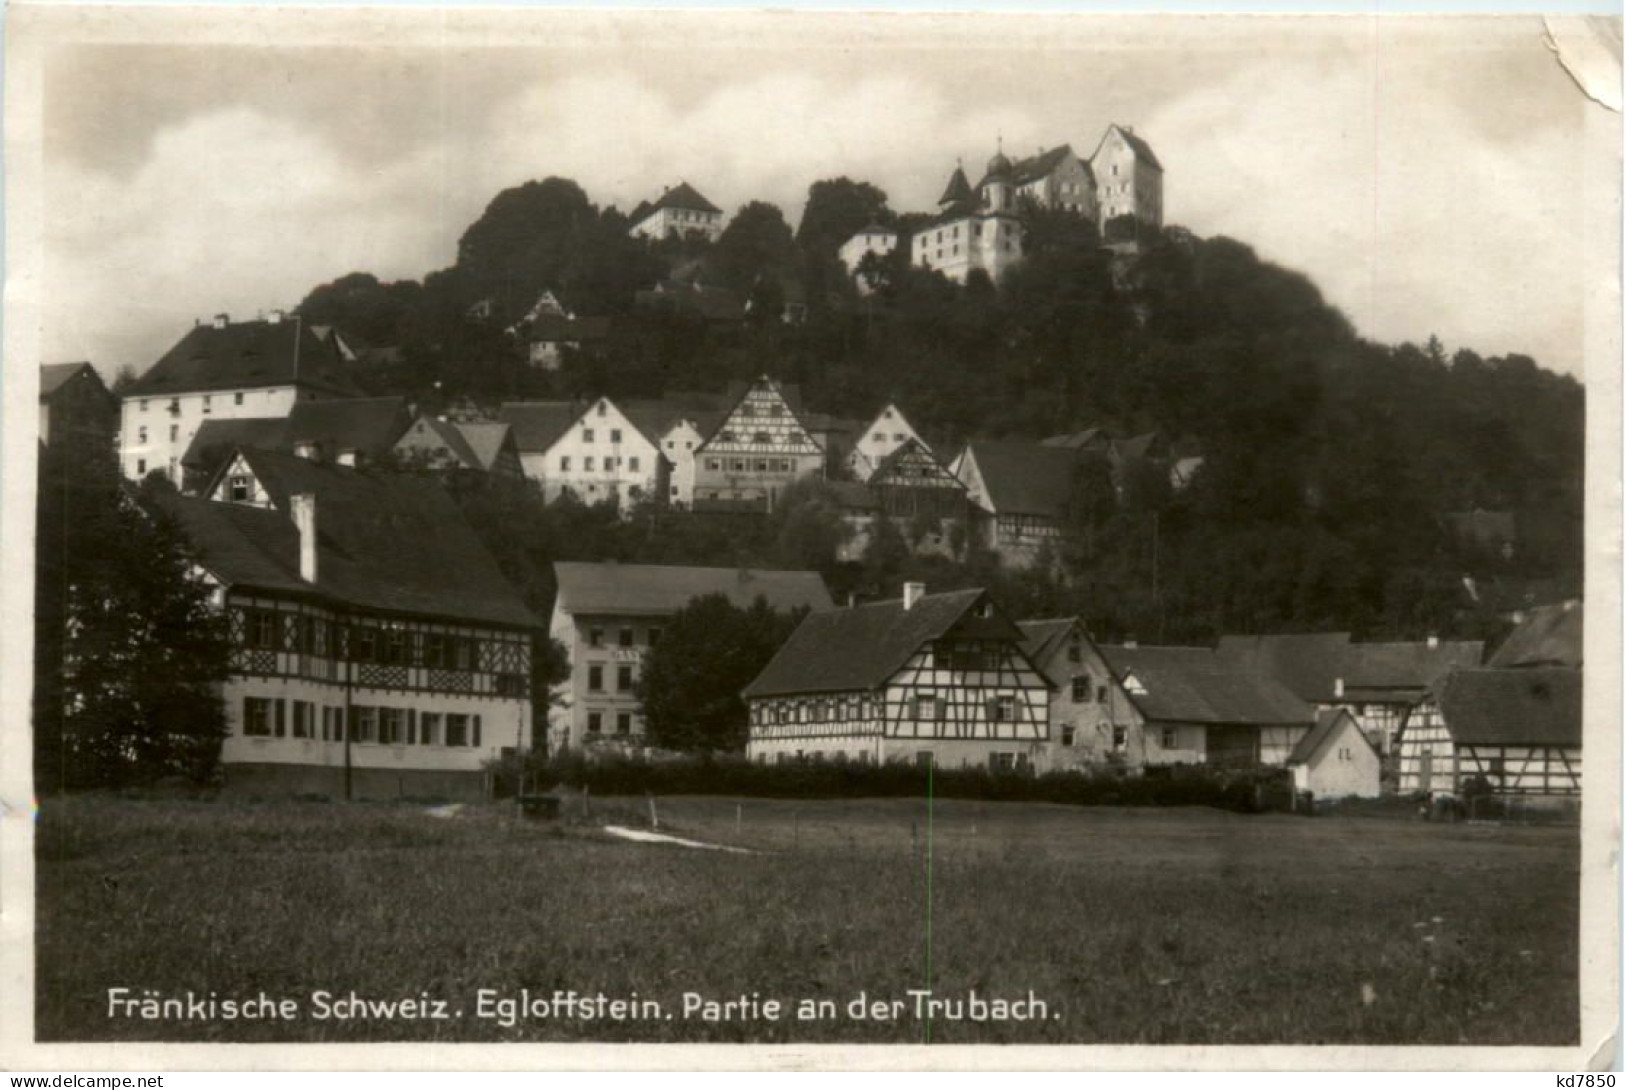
(1185, 705)
(1335, 759)
(939, 679)
(608, 615)
(1517, 728)
(914, 491)
(477, 446)
(1084, 732)
(377, 651)
(761, 447)
(1019, 494)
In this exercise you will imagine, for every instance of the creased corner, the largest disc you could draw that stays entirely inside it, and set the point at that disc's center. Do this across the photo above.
(1602, 1057)
(1588, 48)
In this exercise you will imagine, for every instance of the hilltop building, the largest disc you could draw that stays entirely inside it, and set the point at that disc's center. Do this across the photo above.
(679, 213)
(874, 239)
(224, 370)
(608, 615)
(377, 651)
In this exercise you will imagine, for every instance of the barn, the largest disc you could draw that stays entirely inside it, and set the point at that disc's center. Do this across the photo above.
(1517, 729)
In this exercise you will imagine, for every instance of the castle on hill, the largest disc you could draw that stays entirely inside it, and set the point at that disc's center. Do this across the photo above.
(981, 227)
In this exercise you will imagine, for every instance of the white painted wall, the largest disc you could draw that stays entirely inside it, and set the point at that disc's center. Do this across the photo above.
(600, 456)
(156, 430)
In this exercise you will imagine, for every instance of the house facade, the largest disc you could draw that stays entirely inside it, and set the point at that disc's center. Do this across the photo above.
(889, 430)
(939, 679)
(1091, 723)
(1019, 494)
(377, 652)
(607, 616)
(447, 445)
(760, 449)
(1128, 177)
(1515, 731)
(224, 370)
(348, 431)
(679, 213)
(1335, 759)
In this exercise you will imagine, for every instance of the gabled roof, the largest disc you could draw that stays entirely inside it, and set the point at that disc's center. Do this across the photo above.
(654, 417)
(369, 426)
(1550, 636)
(845, 650)
(54, 376)
(1533, 706)
(245, 356)
(485, 438)
(1137, 144)
(1324, 730)
(1044, 639)
(682, 195)
(959, 190)
(385, 541)
(711, 303)
(1307, 663)
(1042, 165)
(912, 447)
(1087, 439)
(1183, 685)
(537, 425)
(660, 589)
(1024, 478)
(1410, 668)
(449, 436)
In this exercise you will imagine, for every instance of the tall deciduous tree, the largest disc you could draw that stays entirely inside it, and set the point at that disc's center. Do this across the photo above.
(133, 650)
(707, 654)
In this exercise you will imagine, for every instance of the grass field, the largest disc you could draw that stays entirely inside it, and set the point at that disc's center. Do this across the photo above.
(1132, 926)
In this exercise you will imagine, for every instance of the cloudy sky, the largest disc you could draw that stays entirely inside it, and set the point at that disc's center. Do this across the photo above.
(1426, 173)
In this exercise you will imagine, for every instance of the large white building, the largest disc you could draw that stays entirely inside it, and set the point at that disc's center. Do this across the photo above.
(607, 616)
(595, 452)
(681, 212)
(981, 228)
(874, 239)
(224, 370)
(377, 651)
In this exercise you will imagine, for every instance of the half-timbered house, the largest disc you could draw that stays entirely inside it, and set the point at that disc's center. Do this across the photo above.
(1516, 730)
(1019, 494)
(377, 651)
(917, 494)
(759, 450)
(889, 430)
(938, 678)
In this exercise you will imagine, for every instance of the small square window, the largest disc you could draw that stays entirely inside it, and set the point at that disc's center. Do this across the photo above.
(564, 463)
(595, 637)
(237, 399)
(623, 678)
(623, 722)
(626, 636)
(614, 434)
(1170, 737)
(595, 722)
(595, 679)
(586, 435)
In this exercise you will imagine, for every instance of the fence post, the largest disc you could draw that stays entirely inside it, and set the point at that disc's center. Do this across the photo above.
(654, 816)
(739, 820)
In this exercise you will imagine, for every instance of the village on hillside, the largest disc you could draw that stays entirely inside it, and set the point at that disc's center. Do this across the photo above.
(377, 648)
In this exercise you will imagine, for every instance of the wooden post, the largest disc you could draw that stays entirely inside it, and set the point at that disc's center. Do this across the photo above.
(654, 817)
(739, 819)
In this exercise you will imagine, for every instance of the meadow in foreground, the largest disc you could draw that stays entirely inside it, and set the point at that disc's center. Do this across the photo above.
(1133, 926)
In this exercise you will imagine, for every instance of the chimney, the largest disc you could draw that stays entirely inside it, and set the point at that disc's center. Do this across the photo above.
(304, 519)
(308, 449)
(1337, 688)
(220, 320)
(1433, 643)
(912, 592)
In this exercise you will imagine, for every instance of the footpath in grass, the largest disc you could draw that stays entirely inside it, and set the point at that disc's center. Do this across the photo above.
(1126, 926)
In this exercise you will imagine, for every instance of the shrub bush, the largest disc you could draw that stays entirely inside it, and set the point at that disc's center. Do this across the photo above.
(1246, 791)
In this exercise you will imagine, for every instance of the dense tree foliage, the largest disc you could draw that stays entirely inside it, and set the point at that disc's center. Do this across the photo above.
(129, 649)
(1329, 462)
(708, 652)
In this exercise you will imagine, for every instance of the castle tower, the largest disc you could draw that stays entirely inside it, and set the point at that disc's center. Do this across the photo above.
(998, 191)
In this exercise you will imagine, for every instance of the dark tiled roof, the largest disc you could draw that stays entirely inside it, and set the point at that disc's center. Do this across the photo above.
(1323, 731)
(54, 376)
(844, 650)
(485, 438)
(537, 425)
(1043, 638)
(1410, 667)
(958, 191)
(1025, 478)
(1551, 636)
(245, 356)
(386, 542)
(683, 195)
(1087, 439)
(1531, 706)
(1042, 165)
(368, 425)
(1308, 664)
(1180, 688)
(1122, 658)
(711, 303)
(654, 417)
(655, 589)
(447, 436)
(1140, 148)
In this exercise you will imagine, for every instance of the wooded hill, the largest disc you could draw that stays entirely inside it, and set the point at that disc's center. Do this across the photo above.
(1330, 461)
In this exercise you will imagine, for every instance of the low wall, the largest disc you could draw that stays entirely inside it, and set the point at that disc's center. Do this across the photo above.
(372, 784)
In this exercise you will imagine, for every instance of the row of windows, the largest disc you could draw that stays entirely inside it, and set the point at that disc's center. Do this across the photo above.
(588, 463)
(208, 402)
(626, 636)
(625, 679)
(279, 718)
(623, 723)
(880, 437)
(614, 433)
(922, 708)
(391, 645)
(746, 465)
